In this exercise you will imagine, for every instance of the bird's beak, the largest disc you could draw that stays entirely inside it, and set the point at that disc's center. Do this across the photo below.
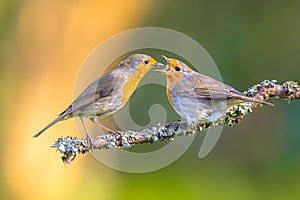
(164, 71)
(160, 71)
(158, 64)
(165, 57)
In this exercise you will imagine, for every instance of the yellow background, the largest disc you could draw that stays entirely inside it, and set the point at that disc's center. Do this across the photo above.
(43, 44)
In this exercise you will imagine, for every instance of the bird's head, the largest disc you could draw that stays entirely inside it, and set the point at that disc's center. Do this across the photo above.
(175, 69)
(141, 63)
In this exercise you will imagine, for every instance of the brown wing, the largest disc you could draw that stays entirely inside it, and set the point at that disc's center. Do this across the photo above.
(203, 87)
(102, 87)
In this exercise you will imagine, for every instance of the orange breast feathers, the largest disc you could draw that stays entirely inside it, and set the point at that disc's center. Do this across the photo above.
(171, 80)
(132, 82)
(168, 91)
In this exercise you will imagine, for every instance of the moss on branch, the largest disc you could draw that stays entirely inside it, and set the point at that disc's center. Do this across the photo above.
(70, 147)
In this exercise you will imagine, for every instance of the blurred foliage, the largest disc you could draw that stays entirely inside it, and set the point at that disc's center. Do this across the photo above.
(43, 45)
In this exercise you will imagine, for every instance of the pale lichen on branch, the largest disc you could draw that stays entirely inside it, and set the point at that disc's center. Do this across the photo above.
(70, 147)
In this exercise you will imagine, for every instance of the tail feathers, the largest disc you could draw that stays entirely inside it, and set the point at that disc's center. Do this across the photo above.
(257, 101)
(60, 117)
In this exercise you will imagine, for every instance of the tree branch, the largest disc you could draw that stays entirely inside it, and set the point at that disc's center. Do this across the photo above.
(72, 146)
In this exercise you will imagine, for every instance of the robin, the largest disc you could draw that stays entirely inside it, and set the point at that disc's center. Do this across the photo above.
(108, 93)
(199, 98)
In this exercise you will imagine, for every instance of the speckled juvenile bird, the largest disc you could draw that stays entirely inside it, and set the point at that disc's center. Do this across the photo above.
(108, 93)
(197, 97)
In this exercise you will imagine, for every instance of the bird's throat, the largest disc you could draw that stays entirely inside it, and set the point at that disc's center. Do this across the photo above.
(131, 84)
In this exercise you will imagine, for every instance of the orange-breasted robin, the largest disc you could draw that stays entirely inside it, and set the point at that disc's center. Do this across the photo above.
(199, 98)
(108, 93)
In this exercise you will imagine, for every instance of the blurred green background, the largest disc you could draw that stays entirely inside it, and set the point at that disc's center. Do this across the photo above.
(43, 44)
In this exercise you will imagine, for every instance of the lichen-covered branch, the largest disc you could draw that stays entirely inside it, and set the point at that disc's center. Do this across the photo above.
(72, 146)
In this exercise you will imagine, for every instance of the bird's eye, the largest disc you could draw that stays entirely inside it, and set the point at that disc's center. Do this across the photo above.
(146, 61)
(178, 69)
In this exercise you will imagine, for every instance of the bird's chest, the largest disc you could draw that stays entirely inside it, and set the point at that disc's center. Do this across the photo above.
(129, 86)
(170, 97)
